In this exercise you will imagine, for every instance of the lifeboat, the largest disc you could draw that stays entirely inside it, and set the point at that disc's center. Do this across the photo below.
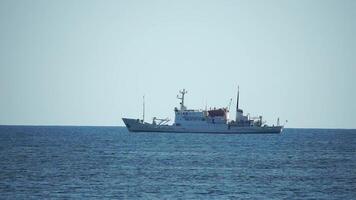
(221, 112)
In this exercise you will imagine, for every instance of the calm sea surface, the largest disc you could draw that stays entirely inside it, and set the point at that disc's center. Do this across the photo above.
(110, 163)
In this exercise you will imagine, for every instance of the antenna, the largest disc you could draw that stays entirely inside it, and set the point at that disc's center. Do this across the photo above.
(206, 105)
(143, 109)
(230, 103)
(278, 121)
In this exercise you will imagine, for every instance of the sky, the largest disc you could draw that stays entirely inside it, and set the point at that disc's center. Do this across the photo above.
(83, 62)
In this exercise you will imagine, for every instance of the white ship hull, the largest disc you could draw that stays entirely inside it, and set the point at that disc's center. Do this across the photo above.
(135, 125)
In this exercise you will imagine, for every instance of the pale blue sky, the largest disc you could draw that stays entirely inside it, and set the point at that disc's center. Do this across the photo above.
(90, 62)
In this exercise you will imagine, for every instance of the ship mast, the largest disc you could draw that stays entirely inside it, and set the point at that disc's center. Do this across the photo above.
(182, 92)
(143, 109)
(237, 99)
(238, 111)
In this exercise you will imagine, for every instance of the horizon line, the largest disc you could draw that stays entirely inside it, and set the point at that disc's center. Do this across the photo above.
(74, 125)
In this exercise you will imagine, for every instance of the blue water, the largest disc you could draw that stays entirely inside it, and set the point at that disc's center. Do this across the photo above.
(109, 162)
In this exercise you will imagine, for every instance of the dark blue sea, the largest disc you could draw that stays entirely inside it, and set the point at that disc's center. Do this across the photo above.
(110, 163)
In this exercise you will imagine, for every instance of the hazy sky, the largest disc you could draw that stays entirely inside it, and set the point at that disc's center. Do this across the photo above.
(89, 62)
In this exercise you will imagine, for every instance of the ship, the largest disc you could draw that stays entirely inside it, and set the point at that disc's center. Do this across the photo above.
(215, 120)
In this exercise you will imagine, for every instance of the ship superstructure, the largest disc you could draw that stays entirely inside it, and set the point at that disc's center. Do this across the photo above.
(203, 121)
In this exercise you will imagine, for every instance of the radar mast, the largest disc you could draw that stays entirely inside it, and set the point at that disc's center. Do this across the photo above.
(237, 99)
(181, 97)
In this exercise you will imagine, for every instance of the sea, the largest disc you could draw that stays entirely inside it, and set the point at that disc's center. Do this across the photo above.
(73, 162)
